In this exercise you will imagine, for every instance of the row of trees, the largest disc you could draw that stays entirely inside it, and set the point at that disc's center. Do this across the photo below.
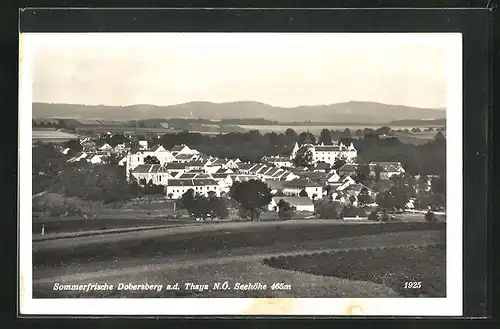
(204, 207)
(428, 158)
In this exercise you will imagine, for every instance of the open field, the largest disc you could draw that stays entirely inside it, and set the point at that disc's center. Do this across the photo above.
(416, 138)
(51, 136)
(233, 264)
(425, 264)
(316, 129)
(198, 239)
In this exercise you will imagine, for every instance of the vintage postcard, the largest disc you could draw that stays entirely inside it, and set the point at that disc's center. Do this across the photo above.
(240, 174)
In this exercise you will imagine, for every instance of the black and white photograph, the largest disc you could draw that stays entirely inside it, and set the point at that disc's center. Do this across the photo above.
(241, 173)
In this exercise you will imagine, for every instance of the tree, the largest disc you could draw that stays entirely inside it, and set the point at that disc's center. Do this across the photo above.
(378, 169)
(430, 216)
(151, 160)
(326, 210)
(364, 197)
(352, 199)
(385, 200)
(187, 200)
(438, 184)
(201, 207)
(252, 195)
(325, 137)
(279, 193)
(285, 210)
(304, 158)
(385, 217)
(383, 130)
(74, 147)
(347, 133)
(303, 193)
(362, 173)
(339, 163)
(103, 183)
(373, 216)
(221, 210)
(306, 138)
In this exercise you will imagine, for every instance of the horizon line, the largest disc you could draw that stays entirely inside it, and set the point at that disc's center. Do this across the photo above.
(442, 108)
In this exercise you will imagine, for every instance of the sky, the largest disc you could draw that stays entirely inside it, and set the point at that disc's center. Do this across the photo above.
(278, 69)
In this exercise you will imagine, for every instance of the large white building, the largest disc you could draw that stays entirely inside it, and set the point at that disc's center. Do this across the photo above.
(328, 153)
(177, 187)
(137, 157)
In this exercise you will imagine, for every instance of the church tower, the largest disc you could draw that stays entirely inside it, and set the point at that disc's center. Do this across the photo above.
(294, 151)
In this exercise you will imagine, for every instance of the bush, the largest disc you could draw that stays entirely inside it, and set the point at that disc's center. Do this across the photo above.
(385, 217)
(430, 216)
(373, 216)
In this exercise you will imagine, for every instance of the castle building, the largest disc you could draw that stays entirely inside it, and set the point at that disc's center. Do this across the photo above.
(328, 153)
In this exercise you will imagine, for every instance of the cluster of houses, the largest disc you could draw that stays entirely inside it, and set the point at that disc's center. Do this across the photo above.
(182, 168)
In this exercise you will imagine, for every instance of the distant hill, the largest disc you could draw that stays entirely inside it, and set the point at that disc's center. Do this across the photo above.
(359, 112)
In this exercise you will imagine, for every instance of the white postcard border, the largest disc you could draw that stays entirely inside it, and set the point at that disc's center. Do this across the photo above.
(449, 306)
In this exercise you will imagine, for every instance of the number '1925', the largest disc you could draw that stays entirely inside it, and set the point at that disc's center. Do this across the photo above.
(413, 284)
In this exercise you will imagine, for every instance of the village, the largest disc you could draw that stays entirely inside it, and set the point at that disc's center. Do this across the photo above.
(312, 177)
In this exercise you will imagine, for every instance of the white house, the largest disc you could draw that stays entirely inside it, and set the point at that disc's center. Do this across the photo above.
(137, 158)
(333, 177)
(95, 159)
(182, 149)
(79, 156)
(151, 172)
(278, 161)
(387, 169)
(299, 203)
(105, 147)
(182, 157)
(122, 162)
(226, 163)
(143, 145)
(177, 187)
(347, 181)
(294, 187)
(328, 153)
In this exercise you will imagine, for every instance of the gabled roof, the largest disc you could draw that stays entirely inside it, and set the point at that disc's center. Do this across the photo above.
(187, 175)
(220, 175)
(328, 148)
(275, 159)
(301, 183)
(322, 165)
(142, 169)
(155, 148)
(195, 163)
(184, 156)
(274, 184)
(356, 187)
(243, 178)
(178, 148)
(191, 182)
(273, 171)
(246, 166)
(176, 165)
(349, 167)
(313, 175)
(294, 201)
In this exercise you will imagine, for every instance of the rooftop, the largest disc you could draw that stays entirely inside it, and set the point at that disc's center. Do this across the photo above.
(191, 182)
(294, 201)
(301, 183)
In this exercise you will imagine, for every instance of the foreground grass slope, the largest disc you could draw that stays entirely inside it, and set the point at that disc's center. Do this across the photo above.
(199, 241)
(391, 267)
